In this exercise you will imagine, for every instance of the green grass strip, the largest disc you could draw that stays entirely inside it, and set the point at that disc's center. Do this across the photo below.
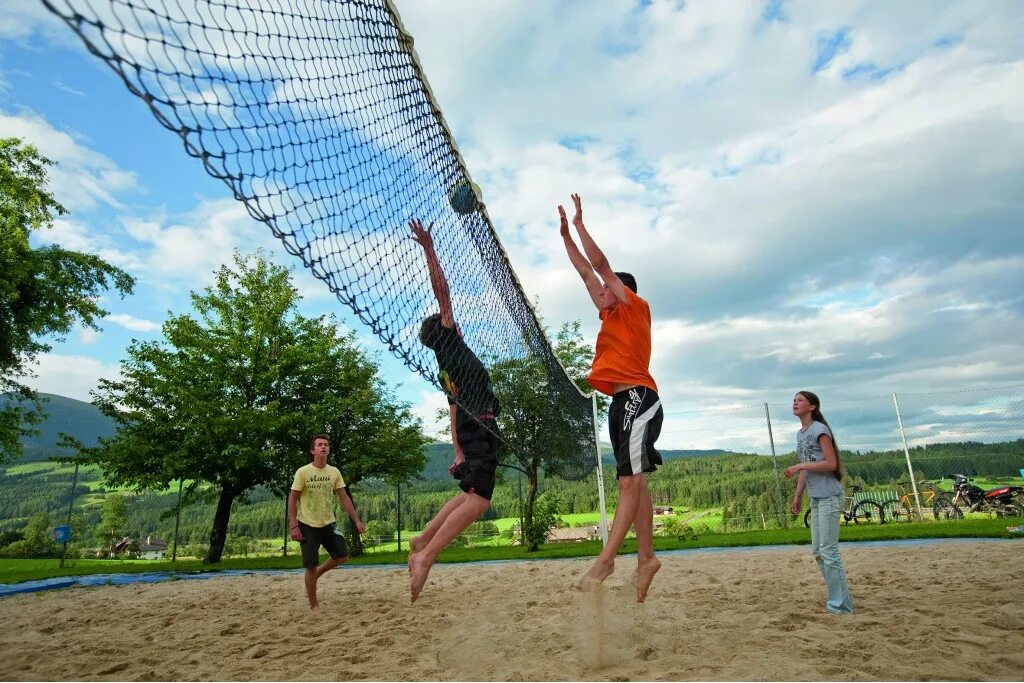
(14, 570)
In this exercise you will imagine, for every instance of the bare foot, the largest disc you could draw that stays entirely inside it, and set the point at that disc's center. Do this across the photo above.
(599, 571)
(415, 545)
(419, 570)
(315, 608)
(645, 571)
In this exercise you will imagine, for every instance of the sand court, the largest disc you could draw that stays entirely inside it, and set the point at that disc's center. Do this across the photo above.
(924, 612)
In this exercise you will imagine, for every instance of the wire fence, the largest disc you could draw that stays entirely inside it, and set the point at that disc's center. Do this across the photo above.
(723, 472)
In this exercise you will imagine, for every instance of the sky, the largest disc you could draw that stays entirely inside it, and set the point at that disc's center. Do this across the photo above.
(812, 195)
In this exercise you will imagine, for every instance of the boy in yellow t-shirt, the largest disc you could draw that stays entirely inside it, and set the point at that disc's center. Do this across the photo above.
(311, 515)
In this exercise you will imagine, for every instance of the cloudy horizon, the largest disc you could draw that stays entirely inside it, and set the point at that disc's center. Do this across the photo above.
(811, 195)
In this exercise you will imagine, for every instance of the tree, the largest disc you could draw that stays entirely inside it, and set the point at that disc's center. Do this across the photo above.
(113, 517)
(230, 398)
(540, 433)
(44, 291)
(541, 522)
(577, 357)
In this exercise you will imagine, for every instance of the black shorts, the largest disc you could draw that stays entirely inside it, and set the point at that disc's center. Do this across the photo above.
(634, 422)
(315, 536)
(479, 442)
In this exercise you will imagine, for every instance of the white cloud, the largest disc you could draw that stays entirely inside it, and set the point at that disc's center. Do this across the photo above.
(87, 336)
(130, 322)
(426, 409)
(20, 19)
(82, 178)
(790, 228)
(70, 375)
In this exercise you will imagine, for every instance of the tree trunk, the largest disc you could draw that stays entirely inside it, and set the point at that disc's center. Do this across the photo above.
(531, 498)
(219, 533)
(355, 546)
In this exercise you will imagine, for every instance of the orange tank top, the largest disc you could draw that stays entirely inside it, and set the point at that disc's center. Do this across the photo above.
(623, 352)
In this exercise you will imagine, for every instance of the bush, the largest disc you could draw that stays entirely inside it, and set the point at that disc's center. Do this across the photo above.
(544, 520)
(25, 548)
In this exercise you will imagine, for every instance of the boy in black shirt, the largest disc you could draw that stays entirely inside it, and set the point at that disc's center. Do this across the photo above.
(472, 407)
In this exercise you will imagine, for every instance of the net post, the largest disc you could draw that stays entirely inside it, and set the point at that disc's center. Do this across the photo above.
(775, 466)
(600, 474)
(906, 452)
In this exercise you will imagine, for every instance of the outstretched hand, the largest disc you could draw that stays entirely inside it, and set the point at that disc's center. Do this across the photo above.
(421, 235)
(577, 220)
(564, 227)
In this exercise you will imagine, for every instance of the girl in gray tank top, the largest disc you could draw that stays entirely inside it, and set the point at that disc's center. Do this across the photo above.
(820, 474)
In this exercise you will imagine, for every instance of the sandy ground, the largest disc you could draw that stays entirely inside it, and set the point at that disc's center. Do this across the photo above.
(946, 611)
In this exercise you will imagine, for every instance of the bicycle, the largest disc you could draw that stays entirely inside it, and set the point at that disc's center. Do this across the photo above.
(856, 512)
(903, 509)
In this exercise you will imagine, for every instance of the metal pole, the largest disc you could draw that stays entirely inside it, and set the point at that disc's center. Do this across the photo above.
(600, 473)
(71, 501)
(906, 451)
(177, 525)
(398, 490)
(783, 517)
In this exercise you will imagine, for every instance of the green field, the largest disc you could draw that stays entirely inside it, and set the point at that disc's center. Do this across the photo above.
(22, 570)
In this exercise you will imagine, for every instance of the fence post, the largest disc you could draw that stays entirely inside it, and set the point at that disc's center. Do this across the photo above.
(783, 518)
(906, 451)
(71, 501)
(177, 525)
(398, 490)
(600, 473)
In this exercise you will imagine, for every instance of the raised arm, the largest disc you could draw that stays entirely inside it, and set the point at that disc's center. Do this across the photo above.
(597, 259)
(579, 261)
(438, 282)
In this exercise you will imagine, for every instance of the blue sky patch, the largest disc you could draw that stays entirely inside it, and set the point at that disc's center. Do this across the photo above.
(830, 45)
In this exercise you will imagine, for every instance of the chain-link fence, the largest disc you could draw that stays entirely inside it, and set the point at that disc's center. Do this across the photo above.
(723, 472)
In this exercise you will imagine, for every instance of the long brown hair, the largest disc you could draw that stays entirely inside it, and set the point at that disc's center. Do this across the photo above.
(816, 415)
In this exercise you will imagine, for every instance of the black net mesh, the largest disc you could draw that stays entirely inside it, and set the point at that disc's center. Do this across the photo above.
(317, 115)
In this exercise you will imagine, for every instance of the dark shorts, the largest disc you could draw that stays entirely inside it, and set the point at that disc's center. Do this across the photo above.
(479, 444)
(315, 536)
(634, 423)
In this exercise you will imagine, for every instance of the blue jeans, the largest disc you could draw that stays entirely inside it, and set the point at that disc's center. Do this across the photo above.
(825, 513)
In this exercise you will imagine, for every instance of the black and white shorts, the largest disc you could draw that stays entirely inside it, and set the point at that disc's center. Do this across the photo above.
(634, 423)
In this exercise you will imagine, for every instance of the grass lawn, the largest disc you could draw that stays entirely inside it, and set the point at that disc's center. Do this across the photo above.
(24, 570)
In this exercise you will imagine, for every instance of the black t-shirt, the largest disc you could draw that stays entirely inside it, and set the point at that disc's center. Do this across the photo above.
(463, 377)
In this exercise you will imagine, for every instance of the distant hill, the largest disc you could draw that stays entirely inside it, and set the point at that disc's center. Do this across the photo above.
(439, 457)
(85, 422)
(82, 420)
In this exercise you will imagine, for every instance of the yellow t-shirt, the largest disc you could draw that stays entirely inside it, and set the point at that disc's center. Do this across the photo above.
(317, 487)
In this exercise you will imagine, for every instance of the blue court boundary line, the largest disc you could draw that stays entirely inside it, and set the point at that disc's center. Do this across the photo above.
(87, 580)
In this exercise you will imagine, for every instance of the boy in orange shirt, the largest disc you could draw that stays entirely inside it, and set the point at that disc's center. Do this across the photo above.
(620, 370)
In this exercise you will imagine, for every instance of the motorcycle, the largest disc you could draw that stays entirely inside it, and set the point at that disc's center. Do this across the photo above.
(1004, 501)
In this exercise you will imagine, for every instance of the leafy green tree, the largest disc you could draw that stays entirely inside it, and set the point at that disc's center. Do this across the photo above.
(230, 398)
(576, 355)
(543, 436)
(37, 539)
(113, 519)
(44, 291)
(541, 522)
